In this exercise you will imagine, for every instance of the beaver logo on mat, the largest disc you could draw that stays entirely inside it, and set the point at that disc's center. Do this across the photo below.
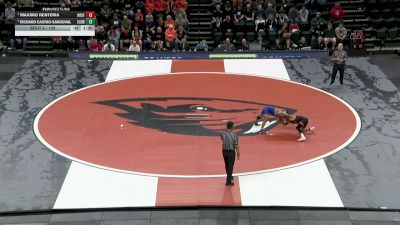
(190, 115)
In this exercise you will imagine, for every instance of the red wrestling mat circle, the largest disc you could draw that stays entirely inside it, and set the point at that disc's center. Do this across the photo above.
(168, 125)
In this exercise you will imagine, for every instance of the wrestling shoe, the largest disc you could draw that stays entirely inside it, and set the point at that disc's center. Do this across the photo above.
(302, 138)
(312, 128)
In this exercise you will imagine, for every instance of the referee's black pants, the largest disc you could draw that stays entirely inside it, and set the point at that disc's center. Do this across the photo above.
(229, 159)
(336, 68)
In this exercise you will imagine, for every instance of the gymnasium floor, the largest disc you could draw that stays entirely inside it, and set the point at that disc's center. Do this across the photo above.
(103, 147)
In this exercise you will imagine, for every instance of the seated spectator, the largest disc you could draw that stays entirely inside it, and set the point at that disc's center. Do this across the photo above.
(170, 7)
(181, 4)
(341, 32)
(219, 48)
(169, 22)
(109, 47)
(317, 24)
(114, 36)
(277, 45)
(180, 21)
(228, 8)
(102, 34)
(260, 23)
(290, 46)
(260, 12)
(126, 23)
(139, 16)
(282, 18)
(216, 24)
(115, 22)
(337, 12)
(237, 4)
(150, 6)
(271, 23)
(227, 45)
(319, 45)
(270, 10)
(201, 46)
(150, 22)
(294, 27)
(95, 46)
(170, 36)
(238, 15)
(125, 38)
(160, 22)
(330, 36)
(148, 38)
(272, 2)
(248, 13)
(137, 35)
(284, 31)
(159, 39)
(134, 47)
(294, 14)
(57, 42)
(141, 5)
(303, 14)
(160, 7)
(227, 24)
(244, 46)
(302, 43)
(218, 12)
(70, 44)
(181, 39)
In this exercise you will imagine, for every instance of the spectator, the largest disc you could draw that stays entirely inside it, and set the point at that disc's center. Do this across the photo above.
(294, 27)
(237, 4)
(115, 22)
(109, 47)
(201, 46)
(95, 46)
(126, 23)
(290, 46)
(238, 15)
(125, 38)
(170, 7)
(227, 24)
(319, 45)
(217, 12)
(284, 31)
(216, 24)
(294, 14)
(244, 46)
(227, 46)
(148, 38)
(181, 39)
(181, 5)
(260, 23)
(139, 16)
(137, 35)
(302, 43)
(141, 5)
(149, 6)
(270, 10)
(101, 34)
(337, 12)
(228, 8)
(114, 36)
(169, 22)
(260, 12)
(277, 45)
(9, 14)
(160, 7)
(134, 47)
(160, 22)
(150, 22)
(219, 48)
(317, 24)
(260, 40)
(341, 32)
(159, 38)
(70, 44)
(271, 23)
(282, 18)
(217, 2)
(329, 36)
(248, 13)
(170, 36)
(180, 21)
(272, 2)
(57, 42)
(303, 14)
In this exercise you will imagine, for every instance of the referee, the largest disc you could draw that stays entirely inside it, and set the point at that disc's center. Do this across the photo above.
(339, 58)
(230, 151)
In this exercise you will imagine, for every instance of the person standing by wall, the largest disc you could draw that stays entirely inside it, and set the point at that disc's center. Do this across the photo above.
(339, 58)
(230, 151)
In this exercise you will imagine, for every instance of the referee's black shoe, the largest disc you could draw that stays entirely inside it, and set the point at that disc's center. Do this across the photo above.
(230, 184)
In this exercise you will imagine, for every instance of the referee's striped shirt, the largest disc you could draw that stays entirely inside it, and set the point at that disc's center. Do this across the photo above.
(229, 140)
